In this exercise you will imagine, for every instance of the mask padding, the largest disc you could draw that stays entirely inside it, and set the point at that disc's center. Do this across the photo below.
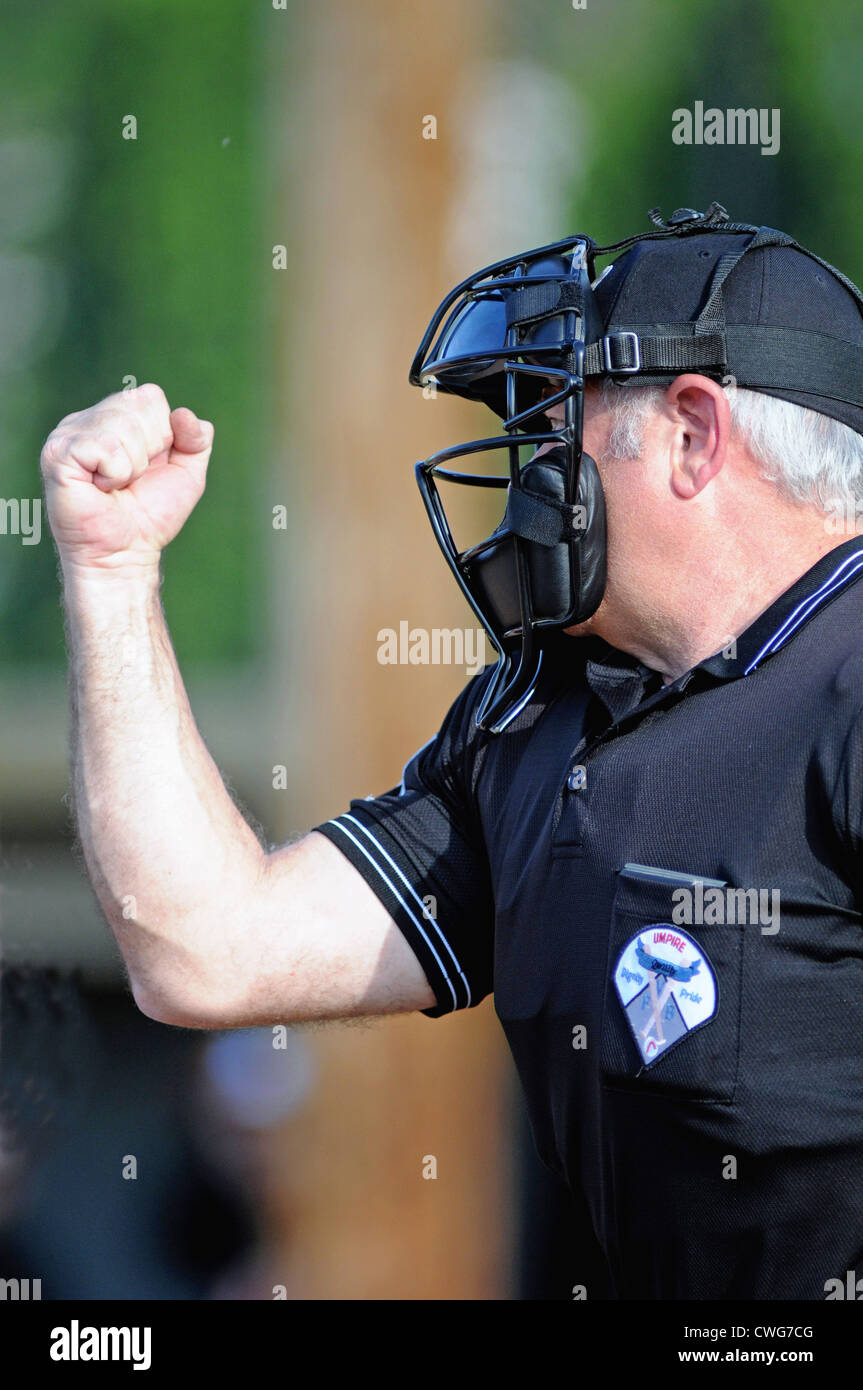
(493, 568)
(588, 558)
(549, 569)
(492, 571)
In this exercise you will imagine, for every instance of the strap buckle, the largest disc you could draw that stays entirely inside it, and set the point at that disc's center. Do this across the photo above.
(635, 352)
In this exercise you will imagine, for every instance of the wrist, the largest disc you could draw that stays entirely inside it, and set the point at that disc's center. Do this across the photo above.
(88, 585)
(115, 570)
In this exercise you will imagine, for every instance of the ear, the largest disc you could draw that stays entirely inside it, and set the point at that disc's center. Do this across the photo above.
(698, 409)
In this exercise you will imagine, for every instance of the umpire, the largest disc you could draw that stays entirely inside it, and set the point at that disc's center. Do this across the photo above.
(653, 862)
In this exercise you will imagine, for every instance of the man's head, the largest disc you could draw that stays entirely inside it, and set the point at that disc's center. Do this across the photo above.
(709, 489)
(708, 403)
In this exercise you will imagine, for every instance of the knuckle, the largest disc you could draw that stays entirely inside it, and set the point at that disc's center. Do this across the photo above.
(109, 441)
(52, 450)
(154, 408)
(121, 428)
(114, 422)
(153, 394)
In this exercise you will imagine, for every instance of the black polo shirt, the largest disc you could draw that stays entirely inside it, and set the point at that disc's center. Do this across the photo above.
(663, 887)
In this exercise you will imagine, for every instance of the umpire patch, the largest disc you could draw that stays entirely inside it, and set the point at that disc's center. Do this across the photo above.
(667, 988)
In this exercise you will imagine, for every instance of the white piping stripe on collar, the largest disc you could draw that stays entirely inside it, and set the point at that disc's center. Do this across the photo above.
(407, 907)
(808, 606)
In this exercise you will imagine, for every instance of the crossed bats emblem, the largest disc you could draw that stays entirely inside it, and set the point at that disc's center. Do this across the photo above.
(671, 974)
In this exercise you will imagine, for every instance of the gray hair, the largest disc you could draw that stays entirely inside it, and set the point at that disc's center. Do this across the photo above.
(811, 458)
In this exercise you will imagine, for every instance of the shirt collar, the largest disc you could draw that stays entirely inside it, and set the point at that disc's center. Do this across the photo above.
(622, 681)
(788, 613)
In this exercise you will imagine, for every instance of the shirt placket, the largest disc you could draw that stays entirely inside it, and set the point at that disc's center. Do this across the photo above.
(572, 820)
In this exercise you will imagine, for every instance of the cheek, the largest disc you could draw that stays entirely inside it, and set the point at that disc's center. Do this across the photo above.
(597, 427)
(630, 506)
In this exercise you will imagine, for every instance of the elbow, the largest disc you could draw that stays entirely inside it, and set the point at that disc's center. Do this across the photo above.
(179, 1008)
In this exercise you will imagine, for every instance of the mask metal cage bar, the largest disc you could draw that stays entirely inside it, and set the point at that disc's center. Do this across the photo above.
(482, 283)
(507, 690)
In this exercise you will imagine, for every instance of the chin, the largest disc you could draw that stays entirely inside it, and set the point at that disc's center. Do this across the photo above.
(585, 629)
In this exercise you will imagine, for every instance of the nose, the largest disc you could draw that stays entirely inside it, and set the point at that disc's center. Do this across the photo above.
(556, 416)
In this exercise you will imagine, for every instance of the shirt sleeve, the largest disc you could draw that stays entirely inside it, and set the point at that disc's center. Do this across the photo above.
(420, 848)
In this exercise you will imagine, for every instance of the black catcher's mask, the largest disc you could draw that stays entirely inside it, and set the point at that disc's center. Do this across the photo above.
(523, 335)
(513, 336)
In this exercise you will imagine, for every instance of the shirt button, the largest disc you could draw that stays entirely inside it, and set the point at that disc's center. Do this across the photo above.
(576, 779)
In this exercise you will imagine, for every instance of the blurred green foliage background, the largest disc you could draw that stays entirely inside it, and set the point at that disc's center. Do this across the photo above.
(641, 59)
(141, 258)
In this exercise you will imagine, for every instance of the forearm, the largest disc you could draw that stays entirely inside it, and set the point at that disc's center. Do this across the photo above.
(170, 856)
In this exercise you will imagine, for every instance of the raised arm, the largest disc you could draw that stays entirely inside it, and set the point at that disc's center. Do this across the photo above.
(216, 932)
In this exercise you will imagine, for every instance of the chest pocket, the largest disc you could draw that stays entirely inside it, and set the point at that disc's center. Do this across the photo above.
(672, 1006)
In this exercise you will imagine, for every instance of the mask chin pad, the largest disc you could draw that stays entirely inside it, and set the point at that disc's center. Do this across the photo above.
(567, 580)
(588, 555)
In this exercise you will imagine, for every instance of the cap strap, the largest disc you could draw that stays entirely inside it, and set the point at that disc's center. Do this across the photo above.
(712, 316)
(627, 353)
(790, 359)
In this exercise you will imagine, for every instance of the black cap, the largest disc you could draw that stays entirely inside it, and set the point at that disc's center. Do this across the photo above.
(792, 324)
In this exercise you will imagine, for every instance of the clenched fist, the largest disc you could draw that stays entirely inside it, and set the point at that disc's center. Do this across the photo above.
(122, 477)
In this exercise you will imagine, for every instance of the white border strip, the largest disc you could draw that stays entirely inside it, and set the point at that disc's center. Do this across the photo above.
(408, 909)
(807, 607)
(417, 899)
